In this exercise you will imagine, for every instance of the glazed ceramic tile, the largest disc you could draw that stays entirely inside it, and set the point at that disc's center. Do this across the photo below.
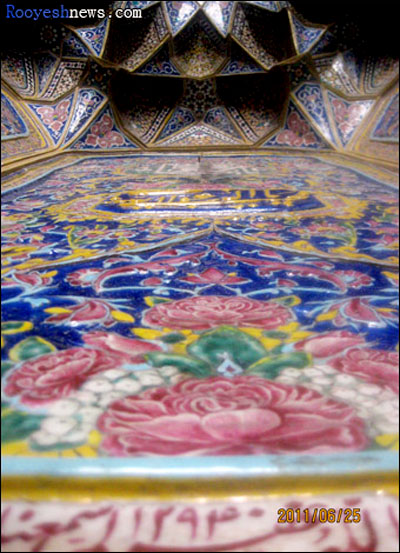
(387, 128)
(103, 134)
(200, 281)
(12, 124)
(94, 37)
(297, 133)
(54, 117)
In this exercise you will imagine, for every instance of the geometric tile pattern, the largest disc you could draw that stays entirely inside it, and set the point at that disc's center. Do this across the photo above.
(94, 37)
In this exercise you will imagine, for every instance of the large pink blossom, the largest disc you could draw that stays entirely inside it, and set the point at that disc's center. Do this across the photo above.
(103, 135)
(297, 134)
(127, 349)
(202, 312)
(239, 416)
(56, 375)
(379, 367)
(330, 344)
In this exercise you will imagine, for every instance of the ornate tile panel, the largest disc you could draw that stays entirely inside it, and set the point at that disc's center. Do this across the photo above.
(332, 71)
(240, 62)
(220, 14)
(103, 134)
(181, 118)
(201, 135)
(54, 117)
(12, 123)
(218, 118)
(387, 128)
(296, 133)
(45, 64)
(87, 103)
(32, 142)
(310, 97)
(130, 45)
(74, 48)
(305, 36)
(179, 14)
(17, 70)
(348, 115)
(200, 96)
(94, 37)
(379, 73)
(160, 64)
(65, 79)
(199, 50)
(249, 30)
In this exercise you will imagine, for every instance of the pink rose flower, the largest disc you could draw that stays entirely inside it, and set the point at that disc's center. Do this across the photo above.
(202, 312)
(102, 134)
(329, 344)
(56, 375)
(126, 349)
(379, 367)
(245, 415)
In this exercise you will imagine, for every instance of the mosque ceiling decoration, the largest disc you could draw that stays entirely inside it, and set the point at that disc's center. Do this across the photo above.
(202, 74)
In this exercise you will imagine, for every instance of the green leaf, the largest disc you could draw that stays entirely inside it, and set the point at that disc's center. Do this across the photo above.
(6, 366)
(270, 367)
(275, 334)
(242, 348)
(18, 426)
(34, 346)
(173, 337)
(181, 362)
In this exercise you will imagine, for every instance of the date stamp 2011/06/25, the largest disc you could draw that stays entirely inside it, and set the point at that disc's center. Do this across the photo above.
(321, 515)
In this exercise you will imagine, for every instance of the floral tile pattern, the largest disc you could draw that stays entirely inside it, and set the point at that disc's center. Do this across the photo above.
(310, 97)
(387, 128)
(305, 35)
(94, 37)
(12, 124)
(87, 102)
(103, 134)
(54, 117)
(348, 115)
(296, 133)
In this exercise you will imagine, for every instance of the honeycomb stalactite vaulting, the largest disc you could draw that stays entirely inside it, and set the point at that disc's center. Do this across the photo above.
(230, 75)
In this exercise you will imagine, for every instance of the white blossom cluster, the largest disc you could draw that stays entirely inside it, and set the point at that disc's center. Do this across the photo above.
(377, 406)
(69, 421)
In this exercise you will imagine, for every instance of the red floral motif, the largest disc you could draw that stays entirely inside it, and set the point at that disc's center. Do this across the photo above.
(54, 117)
(203, 312)
(360, 309)
(298, 132)
(330, 344)
(239, 416)
(355, 279)
(374, 366)
(102, 135)
(348, 117)
(31, 279)
(126, 348)
(56, 375)
(86, 312)
(214, 276)
(83, 277)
